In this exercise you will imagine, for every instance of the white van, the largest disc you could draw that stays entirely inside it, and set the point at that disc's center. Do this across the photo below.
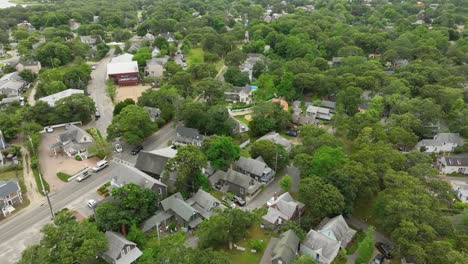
(100, 165)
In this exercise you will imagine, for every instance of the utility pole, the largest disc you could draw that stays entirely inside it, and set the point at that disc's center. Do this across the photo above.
(42, 183)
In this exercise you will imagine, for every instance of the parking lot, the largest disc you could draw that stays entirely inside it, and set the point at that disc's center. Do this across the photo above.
(51, 164)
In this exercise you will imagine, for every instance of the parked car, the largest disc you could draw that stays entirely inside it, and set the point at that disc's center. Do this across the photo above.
(49, 129)
(239, 200)
(118, 148)
(93, 67)
(91, 203)
(384, 249)
(229, 202)
(137, 149)
(100, 165)
(97, 115)
(83, 176)
(292, 133)
(378, 259)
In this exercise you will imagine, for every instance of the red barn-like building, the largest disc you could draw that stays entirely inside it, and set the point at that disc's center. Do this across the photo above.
(123, 73)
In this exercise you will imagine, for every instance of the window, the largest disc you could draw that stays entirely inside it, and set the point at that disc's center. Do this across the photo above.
(122, 252)
(241, 190)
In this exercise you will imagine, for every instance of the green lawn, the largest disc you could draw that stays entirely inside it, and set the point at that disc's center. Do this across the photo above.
(63, 176)
(38, 182)
(4, 176)
(195, 56)
(242, 119)
(245, 153)
(246, 257)
(352, 247)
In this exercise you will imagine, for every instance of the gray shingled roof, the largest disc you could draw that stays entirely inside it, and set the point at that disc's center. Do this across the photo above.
(177, 204)
(154, 161)
(338, 228)
(127, 174)
(316, 242)
(155, 220)
(252, 166)
(457, 161)
(117, 242)
(441, 139)
(277, 139)
(8, 187)
(286, 247)
(74, 133)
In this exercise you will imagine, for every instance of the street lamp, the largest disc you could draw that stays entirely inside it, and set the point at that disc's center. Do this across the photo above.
(42, 182)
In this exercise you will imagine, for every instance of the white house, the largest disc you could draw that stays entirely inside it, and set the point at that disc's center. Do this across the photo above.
(461, 190)
(442, 142)
(53, 98)
(453, 164)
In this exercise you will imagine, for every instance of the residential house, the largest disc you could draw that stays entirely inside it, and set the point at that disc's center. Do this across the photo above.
(188, 213)
(10, 195)
(255, 168)
(283, 209)
(453, 164)
(277, 139)
(12, 85)
(188, 136)
(25, 25)
(460, 189)
(336, 61)
(153, 112)
(155, 52)
(155, 66)
(247, 66)
(53, 98)
(120, 250)
(329, 105)
(234, 182)
(239, 94)
(123, 71)
(3, 146)
(168, 36)
(74, 141)
(308, 8)
(323, 245)
(153, 162)
(90, 40)
(281, 102)
(319, 113)
(149, 37)
(74, 25)
(299, 117)
(283, 249)
(134, 47)
(127, 174)
(442, 142)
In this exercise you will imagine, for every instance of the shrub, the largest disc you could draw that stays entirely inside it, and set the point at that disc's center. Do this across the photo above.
(78, 157)
(257, 244)
(366, 247)
(63, 176)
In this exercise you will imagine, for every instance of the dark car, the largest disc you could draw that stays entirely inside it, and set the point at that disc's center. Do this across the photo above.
(384, 249)
(378, 259)
(238, 200)
(292, 133)
(97, 115)
(137, 149)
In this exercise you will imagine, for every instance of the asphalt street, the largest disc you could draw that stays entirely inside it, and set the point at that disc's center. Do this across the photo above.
(23, 229)
(97, 90)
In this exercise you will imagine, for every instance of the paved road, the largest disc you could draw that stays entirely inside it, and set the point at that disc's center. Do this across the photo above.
(158, 140)
(23, 229)
(269, 191)
(97, 89)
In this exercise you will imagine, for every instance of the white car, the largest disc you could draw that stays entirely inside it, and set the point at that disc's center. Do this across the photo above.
(91, 203)
(49, 129)
(93, 67)
(184, 65)
(118, 148)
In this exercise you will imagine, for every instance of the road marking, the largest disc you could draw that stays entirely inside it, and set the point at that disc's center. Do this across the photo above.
(121, 161)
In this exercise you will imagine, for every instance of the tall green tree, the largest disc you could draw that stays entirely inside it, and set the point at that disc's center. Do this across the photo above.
(133, 124)
(221, 151)
(66, 241)
(188, 163)
(274, 155)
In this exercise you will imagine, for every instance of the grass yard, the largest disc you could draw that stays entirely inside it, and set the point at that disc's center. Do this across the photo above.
(38, 182)
(4, 176)
(352, 247)
(245, 153)
(242, 119)
(246, 257)
(195, 56)
(63, 176)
